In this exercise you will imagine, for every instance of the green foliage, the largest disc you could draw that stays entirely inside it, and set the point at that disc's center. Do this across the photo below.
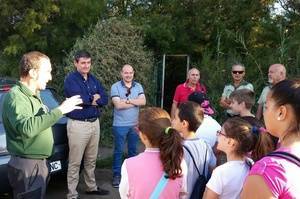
(113, 43)
(218, 33)
(45, 25)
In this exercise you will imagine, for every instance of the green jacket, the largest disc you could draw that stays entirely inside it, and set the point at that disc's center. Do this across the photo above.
(28, 124)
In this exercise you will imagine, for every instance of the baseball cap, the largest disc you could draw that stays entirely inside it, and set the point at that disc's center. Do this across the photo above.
(201, 99)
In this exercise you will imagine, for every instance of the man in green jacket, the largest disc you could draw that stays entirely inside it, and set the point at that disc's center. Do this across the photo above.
(27, 123)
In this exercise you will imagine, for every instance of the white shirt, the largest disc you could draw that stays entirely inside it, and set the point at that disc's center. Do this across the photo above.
(263, 97)
(227, 180)
(207, 131)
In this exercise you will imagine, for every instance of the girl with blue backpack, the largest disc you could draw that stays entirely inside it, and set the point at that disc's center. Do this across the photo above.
(158, 172)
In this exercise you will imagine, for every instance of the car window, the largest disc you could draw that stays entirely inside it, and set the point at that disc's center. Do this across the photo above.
(48, 99)
(2, 94)
(46, 96)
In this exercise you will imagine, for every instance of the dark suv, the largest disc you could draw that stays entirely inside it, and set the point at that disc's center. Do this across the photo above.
(58, 162)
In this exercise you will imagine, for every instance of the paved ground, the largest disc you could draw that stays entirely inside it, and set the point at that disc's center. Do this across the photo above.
(57, 188)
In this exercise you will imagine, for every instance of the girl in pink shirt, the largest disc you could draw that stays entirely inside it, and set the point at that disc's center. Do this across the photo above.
(163, 157)
(278, 177)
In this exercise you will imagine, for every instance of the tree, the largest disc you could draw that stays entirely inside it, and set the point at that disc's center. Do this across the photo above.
(45, 25)
(113, 43)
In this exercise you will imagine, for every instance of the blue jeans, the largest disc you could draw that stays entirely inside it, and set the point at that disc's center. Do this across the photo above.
(120, 134)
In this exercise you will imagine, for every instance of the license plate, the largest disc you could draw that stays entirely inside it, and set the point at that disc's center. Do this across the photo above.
(55, 166)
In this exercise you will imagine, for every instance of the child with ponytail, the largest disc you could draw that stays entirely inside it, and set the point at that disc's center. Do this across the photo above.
(242, 101)
(158, 172)
(277, 175)
(236, 140)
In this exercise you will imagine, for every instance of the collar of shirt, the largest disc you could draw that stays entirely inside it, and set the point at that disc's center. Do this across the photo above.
(78, 74)
(193, 89)
(152, 150)
(27, 91)
(132, 85)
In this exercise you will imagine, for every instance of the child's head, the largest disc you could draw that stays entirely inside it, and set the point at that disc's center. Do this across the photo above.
(155, 124)
(236, 137)
(188, 117)
(242, 99)
(282, 114)
(201, 99)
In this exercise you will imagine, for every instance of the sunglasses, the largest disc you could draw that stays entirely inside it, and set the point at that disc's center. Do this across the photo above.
(237, 72)
(219, 133)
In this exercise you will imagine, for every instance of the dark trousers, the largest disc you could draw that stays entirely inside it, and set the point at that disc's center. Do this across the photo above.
(28, 177)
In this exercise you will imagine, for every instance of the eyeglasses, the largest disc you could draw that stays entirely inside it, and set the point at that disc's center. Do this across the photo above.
(219, 133)
(237, 72)
(128, 92)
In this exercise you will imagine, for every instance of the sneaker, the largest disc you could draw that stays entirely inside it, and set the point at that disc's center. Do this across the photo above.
(116, 181)
(100, 192)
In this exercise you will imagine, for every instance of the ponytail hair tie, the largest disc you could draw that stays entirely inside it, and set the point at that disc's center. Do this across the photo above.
(167, 130)
(256, 130)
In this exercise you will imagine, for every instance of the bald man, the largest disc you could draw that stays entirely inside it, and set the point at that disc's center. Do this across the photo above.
(182, 91)
(127, 96)
(277, 73)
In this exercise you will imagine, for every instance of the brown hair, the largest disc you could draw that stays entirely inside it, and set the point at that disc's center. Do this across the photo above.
(250, 138)
(288, 92)
(264, 144)
(239, 130)
(243, 95)
(154, 123)
(192, 113)
(30, 61)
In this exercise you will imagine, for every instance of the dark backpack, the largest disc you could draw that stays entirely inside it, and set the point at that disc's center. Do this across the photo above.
(200, 184)
(287, 156)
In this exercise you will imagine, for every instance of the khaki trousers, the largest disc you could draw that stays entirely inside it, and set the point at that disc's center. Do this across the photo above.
(83, 143)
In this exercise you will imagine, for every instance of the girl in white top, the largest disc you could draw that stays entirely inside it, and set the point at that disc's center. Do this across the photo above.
(236, 140)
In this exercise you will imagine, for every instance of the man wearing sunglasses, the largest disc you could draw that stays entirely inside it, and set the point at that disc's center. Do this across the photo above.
(238, 72)
(127, 96)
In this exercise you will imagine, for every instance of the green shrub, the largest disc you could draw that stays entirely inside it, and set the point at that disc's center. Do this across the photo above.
(113, 43)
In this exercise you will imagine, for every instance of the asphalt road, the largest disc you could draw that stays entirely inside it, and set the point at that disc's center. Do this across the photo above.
(57, 188)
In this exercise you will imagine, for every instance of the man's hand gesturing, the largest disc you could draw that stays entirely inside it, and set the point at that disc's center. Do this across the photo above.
(70, 104)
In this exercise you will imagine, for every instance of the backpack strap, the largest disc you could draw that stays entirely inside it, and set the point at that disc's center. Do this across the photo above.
(203, 172)
(287, 156)
(159, 187)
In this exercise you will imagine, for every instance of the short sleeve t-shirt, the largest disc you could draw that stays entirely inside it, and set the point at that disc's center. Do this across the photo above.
(280, 175)
(129, 116)
(227, 180)
(229, 88)
(263, 97)
(207, 130)
(183, 91)
(198, 148)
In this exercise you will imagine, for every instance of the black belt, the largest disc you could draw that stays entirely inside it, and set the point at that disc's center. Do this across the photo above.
(93, 119)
